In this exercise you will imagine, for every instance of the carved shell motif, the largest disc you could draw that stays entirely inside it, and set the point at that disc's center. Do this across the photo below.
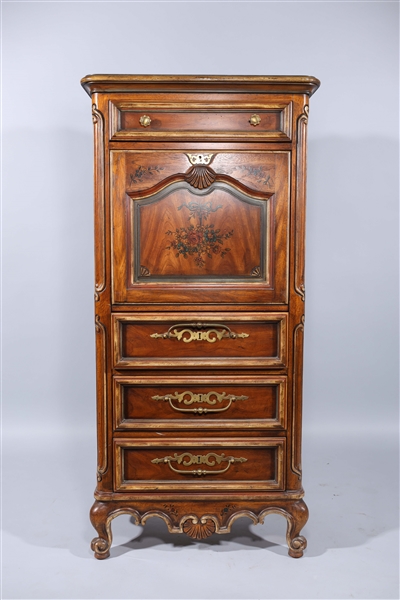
(199, 531)
(200, 176)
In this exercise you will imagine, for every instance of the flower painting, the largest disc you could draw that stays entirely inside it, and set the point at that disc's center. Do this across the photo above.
(200, 242)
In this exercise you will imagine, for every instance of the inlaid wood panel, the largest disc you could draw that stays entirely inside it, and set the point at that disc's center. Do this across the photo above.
(183, 237)
(187, 403)
(185, 340)
(199, 236)
(249, 464)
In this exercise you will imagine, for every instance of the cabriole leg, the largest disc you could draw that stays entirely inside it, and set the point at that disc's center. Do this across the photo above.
(297, 517)
(99, 514)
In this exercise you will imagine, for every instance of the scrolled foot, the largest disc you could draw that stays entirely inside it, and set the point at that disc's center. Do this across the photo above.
(100, 547)
(297, 516)
(100, 516)
(297, 546)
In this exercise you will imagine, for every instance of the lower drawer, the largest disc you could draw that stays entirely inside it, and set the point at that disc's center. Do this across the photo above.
(177, 464)
(191, 402)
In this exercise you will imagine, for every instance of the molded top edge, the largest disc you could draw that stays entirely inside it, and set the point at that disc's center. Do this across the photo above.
(266, 83)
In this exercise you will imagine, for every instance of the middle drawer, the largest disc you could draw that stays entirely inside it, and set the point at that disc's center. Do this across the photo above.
(237, 402)
(217, 340)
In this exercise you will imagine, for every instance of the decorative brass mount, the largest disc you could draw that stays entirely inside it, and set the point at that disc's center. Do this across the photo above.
(200, 159)
(255, 120)
(188, 335)
(187, 459)
(145, 121)
(210, 398)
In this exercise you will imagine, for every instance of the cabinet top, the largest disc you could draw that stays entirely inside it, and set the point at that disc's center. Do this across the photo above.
(293, 84)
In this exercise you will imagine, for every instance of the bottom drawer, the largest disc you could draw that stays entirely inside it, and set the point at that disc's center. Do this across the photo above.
(177, 464)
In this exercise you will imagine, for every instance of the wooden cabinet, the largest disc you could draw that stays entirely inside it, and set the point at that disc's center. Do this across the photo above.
(199, 300)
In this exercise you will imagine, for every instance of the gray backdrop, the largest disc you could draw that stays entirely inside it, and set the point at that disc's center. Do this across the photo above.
(351, 280)
(351, 359)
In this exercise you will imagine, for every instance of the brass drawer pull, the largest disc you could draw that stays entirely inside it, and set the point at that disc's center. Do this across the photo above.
(145, 121)
(210, 398)
(210, 459)
(184, 332)
(255, 120)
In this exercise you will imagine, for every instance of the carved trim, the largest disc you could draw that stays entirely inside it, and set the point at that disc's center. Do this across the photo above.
(144, 272)
(187, 335)
(200, 176)
(210, 398)
(302, 122)
(200, 527)
(101, 547)
(297, 393)
(100, 204)
(102, 457)
(222, 181)
(256, 272)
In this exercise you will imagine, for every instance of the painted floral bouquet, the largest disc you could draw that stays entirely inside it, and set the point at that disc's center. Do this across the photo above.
(200, 241)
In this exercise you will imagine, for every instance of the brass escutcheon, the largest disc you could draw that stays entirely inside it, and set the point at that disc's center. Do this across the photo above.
(200, 159)
(184, 332)
(187, 459)
(188, 398)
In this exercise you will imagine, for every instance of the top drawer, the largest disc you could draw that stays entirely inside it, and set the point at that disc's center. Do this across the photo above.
(191, 116)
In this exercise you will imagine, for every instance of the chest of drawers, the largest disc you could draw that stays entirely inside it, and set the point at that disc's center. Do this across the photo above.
(199, 300)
